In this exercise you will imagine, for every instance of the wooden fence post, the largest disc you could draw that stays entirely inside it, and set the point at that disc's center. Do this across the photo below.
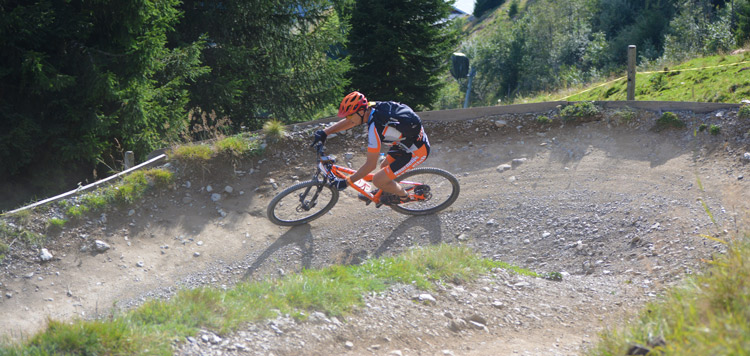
(129, 160)
(631, 72)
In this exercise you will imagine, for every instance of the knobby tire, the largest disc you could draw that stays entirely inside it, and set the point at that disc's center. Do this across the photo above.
(439, 192)
(298, 218)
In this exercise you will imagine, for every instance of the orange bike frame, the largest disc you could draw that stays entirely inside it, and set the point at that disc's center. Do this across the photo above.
(360, 185)
(344, 172)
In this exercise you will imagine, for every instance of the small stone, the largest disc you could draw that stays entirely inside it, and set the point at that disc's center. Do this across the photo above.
(131, 212)
(215, 197)
(196, 254)
(503, 167)
(457, 325)
(139, 264)
(209, 188)
(228, 189)
(101, 246)
(45, 255)
(349, 345)
(426, 298)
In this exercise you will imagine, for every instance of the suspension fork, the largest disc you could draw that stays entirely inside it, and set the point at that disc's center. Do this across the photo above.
(319, 188)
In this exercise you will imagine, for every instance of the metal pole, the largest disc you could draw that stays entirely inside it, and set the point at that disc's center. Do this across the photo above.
(468, 89)
(631, 72)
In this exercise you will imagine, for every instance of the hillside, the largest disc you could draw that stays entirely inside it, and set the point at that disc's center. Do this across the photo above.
(612, 204)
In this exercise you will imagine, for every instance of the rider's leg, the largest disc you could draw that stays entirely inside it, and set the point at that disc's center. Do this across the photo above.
(398, 163)
(385, 183)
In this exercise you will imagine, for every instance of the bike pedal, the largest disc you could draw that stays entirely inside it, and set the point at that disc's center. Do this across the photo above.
(363, 198)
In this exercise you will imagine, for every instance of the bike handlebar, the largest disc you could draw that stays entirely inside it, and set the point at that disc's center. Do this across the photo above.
(320, 149)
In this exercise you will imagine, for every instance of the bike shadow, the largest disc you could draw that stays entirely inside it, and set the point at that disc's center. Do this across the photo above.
(300, 235)
(430, 223)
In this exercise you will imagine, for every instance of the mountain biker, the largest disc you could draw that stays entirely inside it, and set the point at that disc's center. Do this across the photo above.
(390, 124)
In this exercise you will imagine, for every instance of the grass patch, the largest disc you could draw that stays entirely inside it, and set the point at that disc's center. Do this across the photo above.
(130, 189)
(4, 249)
(543, 120)
(624, 116)
(706, 315)
(191, 153)
(715, 80)
(336, 290)
(580, 111)
(669, 119)
(274, 130)
(55, 225)
(714, 129)
(744, 112)
(11, 234)
(238, 146)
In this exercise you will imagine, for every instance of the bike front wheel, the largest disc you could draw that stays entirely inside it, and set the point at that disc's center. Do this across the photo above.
(441, 189)
(302, 203)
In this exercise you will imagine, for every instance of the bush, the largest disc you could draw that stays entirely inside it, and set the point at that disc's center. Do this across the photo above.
(543, 119)
(131, 188)
(744, 112)
(624, 116)
(274, 130)
(55, 225)
(669, 119)
(192, 153)
(581, 111)
(238, 146)
(714, 129)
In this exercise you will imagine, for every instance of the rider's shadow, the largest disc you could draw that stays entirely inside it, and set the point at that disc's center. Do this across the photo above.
(300, 235)
(431, 223)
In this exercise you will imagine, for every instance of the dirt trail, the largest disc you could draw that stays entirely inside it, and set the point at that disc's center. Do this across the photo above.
(616, 207)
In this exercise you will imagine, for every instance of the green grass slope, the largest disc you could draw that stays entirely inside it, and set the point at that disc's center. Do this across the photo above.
(720, 78)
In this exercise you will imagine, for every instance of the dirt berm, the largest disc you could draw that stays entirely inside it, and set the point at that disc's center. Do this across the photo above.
(614, 204)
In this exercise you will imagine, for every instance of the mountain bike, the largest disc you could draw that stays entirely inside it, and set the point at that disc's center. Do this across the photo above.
(433, 190)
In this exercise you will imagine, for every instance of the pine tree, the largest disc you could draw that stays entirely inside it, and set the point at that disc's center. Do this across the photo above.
(399, 47)
(79, 77)
(482, 6)
(268, 58)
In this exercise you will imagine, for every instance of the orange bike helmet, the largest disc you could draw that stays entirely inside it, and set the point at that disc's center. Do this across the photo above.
(352, 103)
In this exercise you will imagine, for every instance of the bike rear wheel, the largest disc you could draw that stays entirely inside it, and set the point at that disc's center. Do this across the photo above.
(443, 188)
(302, 203)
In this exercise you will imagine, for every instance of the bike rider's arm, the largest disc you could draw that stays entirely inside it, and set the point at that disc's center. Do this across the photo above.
(369, 166)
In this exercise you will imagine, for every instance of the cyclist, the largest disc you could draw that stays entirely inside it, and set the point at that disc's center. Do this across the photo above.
(390, 124)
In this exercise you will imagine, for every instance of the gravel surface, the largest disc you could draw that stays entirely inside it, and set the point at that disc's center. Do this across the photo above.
(615, 206)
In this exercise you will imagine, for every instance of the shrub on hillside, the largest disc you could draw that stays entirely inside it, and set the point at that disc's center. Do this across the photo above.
(744, 112)
(669, 119)
(274, 130)
(582, 111)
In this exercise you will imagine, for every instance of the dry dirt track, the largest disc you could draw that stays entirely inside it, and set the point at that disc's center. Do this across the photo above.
(617, 207)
